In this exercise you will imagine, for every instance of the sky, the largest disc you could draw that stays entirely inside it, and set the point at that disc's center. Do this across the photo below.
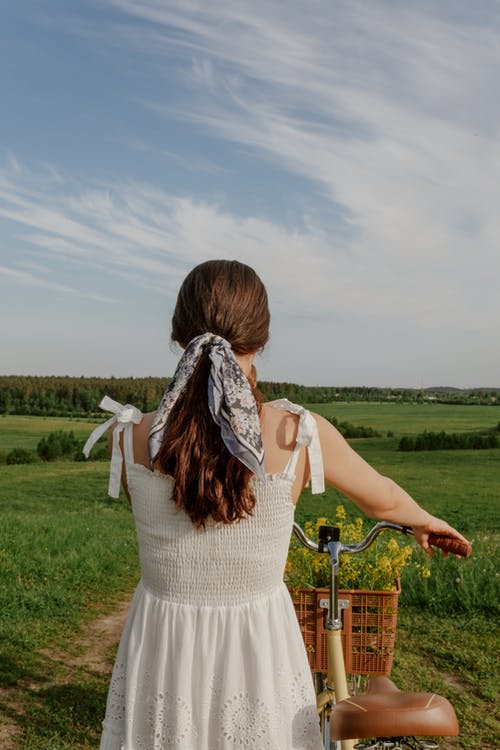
(348, 150)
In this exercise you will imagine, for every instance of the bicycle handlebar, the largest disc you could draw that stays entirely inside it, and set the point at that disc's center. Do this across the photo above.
(445, 543)
(450, 544)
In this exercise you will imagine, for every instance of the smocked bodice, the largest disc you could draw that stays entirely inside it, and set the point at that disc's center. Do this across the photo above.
(222, 564)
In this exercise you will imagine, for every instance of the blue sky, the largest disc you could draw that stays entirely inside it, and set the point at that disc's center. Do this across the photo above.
(348, 150)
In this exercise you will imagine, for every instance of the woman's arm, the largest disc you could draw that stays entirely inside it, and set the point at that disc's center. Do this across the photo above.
(376, 495)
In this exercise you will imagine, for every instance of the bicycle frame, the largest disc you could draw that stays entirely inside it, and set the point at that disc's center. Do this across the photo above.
(336, 688)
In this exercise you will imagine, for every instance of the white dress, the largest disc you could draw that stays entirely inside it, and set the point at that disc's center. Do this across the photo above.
(211, 656)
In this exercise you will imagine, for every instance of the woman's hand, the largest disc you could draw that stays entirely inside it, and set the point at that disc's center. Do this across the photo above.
(436, 526)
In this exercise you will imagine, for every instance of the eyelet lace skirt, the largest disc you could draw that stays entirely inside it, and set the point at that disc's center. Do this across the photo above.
(211, 678)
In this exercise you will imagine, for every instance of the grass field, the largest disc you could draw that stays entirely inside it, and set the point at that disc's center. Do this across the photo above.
(68, 554)
(406, 419)
(26, 432)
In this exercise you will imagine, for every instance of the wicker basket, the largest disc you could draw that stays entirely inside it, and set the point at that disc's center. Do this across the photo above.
(368, 634)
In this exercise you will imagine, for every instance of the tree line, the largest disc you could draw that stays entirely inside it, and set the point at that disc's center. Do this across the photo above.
(437, 441)
(351, 431)
(71, 396)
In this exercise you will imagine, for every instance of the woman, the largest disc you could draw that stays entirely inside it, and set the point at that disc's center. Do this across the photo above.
(211, 656)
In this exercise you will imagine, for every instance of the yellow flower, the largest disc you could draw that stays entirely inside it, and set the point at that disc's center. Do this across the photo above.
(340, 514)
(378, 568)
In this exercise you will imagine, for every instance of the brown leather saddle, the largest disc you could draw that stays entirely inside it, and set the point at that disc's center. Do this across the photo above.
(385, 711)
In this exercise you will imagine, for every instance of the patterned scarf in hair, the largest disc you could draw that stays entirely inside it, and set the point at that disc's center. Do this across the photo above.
(230, 399)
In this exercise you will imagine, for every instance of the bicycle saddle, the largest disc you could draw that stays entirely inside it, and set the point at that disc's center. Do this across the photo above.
(384, 711)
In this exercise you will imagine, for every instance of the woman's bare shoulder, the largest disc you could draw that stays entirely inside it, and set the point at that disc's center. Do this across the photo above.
(280, 425)
(141, 436)
(147, 420)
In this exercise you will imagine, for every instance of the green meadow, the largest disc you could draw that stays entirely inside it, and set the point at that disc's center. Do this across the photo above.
(68, 556)
(409, 418)
(25, 432)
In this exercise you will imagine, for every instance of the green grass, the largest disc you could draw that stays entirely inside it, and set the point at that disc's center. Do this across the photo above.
(26, 432)
(463, 488)
(63, 546)
(456, 657)
(68, 553)
(455, 586)
(407, 419)
(64, 716)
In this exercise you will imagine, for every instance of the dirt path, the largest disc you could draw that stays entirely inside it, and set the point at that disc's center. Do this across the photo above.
(93, 658)
(99, 636)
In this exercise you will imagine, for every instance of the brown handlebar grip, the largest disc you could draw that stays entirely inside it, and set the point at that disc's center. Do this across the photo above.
(450, 544)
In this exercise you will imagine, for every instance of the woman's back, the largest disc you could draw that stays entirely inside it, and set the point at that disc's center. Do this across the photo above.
(211, 655)
(220, 563)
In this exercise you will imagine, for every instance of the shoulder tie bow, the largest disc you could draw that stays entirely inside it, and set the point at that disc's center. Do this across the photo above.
(307, 435)
(122, 415)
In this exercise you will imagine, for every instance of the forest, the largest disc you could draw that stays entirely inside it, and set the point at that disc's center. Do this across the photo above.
(62, 396)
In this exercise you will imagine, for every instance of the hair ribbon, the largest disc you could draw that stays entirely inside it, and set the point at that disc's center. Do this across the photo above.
(230, 400)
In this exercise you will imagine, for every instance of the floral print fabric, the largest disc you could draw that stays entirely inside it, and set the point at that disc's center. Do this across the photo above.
(230, 400)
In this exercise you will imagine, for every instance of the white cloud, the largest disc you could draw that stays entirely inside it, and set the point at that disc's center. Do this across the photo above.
(148, 238)
(155, 236)
(203, 73)
(386, 107)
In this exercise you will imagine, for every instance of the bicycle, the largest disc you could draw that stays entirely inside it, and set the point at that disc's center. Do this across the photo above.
(383, 717)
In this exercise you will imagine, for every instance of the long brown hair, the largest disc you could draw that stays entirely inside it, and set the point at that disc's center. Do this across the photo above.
(226, 298)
